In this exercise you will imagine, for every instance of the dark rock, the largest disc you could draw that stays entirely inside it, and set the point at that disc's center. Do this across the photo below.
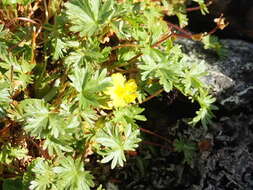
(239, 14)
(229, 165)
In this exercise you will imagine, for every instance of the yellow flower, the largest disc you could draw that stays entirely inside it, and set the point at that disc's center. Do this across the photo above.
(122, 92)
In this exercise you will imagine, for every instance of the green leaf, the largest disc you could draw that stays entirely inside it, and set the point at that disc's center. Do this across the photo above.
(44, 176)
(183, 20)
(89, 86)
(128, 115)
(159, 65)
(192, 77)
(205, 113)
(40, 121)
(3, 45)
(88, 55)
(212, 42)
(4, 97)
(89, 16)
(203, 7)
(72, 175)
(187, 147)
(56, 146)
(59, 48)
(9, 153)
(19, 69)
(116, 142)
(178, 8)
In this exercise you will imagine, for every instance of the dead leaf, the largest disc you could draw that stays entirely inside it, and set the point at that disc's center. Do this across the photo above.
(221, 23)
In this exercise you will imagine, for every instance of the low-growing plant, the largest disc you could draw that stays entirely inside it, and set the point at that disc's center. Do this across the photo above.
(73, 77)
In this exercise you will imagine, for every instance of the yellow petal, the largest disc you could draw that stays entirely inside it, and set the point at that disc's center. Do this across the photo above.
(122, 92)
(130, 88)
(118, 79)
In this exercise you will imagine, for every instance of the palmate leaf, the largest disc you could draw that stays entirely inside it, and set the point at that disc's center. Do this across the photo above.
(159, 65)
(9, 153)
(89, 54)
(40, 121)
(68, 175)
(205, 113)
(72, 176)
(3, 45)
(116, 142)
(203, 7)
(192, 77)
(177, 8)
(128, 114)
(89, 16)
(59, 48)
(58, 43)
(3, 49)
(187, 147)
(4, 97)
(89, 86)
(20, 69)
(44, 176)
(212, 42)
(58, 145)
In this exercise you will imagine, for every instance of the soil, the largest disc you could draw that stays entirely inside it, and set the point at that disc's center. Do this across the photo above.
(222, 160)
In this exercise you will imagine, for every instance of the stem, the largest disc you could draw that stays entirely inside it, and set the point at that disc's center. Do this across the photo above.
(27, 20)
(34, 37)
(183, 36)
(212, 31)
(35, 7)
(125, 45)
(179, 29)
(127, 71)
(132, 60)
(46, 11)
(33, 46)
(165, 37)
(155, 134)
(152, 95)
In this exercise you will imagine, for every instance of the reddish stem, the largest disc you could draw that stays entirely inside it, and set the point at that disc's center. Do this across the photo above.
(183, 36)
(155, 134)
(213, 30)
(179, 29)
(165, 37)
(153, 95)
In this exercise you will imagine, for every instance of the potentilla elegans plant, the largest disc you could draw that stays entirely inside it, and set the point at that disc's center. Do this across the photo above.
(74, 75)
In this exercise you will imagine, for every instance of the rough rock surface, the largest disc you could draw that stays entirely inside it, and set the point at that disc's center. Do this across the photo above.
(229, 165)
